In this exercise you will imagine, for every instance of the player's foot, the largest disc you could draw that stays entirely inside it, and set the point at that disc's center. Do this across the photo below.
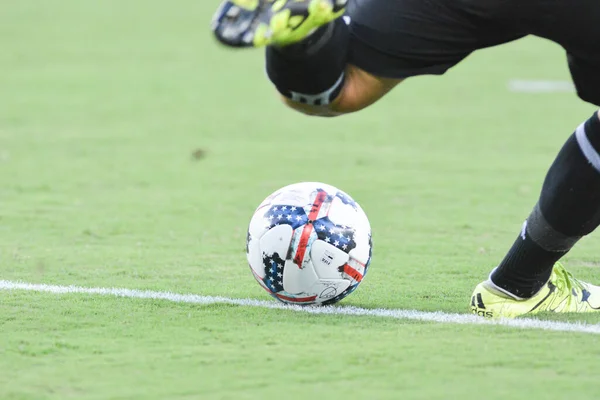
(246, 23)
(563, 293)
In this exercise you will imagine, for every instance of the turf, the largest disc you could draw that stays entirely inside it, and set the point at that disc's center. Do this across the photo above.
(133, 150)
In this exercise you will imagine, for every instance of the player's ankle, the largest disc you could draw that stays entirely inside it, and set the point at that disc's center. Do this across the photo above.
(516, 287)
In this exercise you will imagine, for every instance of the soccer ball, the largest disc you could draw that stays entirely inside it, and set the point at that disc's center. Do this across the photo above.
(309, 243)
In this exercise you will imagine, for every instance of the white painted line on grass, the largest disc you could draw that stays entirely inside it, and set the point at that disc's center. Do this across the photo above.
(439, 317)
(540, 86)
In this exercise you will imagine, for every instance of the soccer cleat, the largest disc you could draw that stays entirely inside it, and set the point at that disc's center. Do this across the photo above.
(258, 23)
(562, 293)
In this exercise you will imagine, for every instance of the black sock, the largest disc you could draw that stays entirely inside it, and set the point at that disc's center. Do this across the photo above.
(311, 71)
(568, 209)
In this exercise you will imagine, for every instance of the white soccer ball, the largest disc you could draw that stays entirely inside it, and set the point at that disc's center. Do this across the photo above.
(309, 243)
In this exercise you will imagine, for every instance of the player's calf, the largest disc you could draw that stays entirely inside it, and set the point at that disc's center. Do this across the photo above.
(360, 90)
(314, 78)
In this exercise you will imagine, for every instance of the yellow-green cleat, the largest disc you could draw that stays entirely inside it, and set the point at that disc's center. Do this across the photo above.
(562, 294)
(258, 23)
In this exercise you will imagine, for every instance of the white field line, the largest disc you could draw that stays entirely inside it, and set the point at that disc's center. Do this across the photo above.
(438, 317)
(540, 86)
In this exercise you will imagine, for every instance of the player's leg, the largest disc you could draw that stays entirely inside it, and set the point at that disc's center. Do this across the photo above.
(569, 204)
(307, 52)
(528, 280)
(314, 76)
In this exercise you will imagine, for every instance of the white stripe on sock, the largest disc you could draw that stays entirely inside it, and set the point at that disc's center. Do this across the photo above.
(586, 147)
(322, 99)
(493, 286)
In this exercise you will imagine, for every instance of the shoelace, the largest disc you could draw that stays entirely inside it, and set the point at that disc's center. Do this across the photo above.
(565, 280)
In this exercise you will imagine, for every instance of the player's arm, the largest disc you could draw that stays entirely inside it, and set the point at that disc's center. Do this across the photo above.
(360, 90)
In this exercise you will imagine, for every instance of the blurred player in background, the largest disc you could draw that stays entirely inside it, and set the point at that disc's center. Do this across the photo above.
(329, 58)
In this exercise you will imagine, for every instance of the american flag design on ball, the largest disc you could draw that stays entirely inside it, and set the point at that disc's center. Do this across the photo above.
(309, 243)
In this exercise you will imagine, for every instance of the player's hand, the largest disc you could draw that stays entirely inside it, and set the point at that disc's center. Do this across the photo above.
(258, 23)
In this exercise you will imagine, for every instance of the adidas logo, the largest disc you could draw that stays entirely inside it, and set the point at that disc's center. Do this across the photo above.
(478, 308)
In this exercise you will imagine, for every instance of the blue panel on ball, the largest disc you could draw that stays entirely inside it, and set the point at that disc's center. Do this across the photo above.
(339, 236)
(286, 215)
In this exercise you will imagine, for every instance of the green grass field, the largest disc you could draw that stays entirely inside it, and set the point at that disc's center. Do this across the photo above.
(102, 107)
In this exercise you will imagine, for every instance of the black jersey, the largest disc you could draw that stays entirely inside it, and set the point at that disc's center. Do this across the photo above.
(403, 38)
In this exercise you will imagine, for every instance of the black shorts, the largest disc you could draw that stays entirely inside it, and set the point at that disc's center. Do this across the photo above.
(403, 38)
